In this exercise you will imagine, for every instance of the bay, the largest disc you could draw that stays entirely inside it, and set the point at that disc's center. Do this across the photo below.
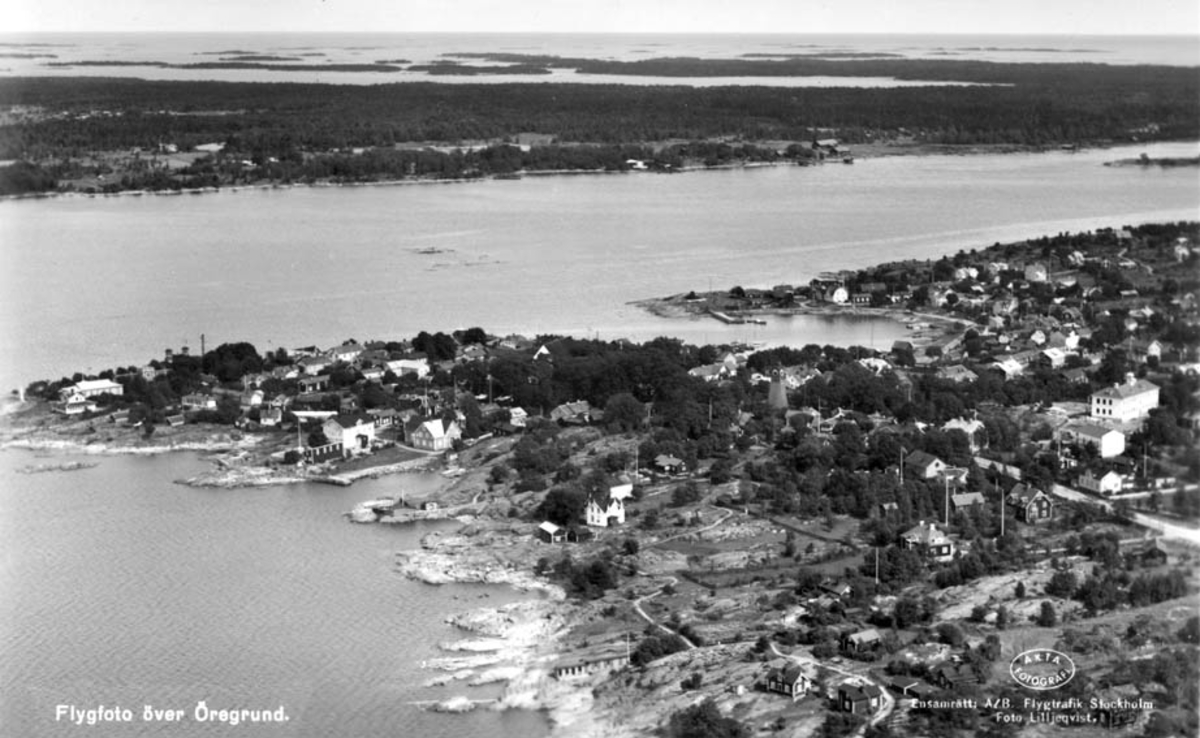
(95, 282)
(120, 588)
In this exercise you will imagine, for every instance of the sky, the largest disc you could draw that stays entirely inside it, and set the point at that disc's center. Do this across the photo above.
(1083, 17)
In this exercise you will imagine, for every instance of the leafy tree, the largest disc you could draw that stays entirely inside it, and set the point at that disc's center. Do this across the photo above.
(704, 721)
(562, 506)
(685, 494)
(1062, 584)
(623, 412)
(231, 361)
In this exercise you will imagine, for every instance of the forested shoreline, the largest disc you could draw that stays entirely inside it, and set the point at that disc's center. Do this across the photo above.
(50, 124)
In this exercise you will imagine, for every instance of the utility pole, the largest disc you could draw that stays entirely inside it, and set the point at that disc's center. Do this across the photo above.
(946, 480)
(1001, 514)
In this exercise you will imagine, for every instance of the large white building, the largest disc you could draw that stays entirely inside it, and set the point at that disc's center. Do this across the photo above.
(1124, 402)
(1108, 441)
(94, 387)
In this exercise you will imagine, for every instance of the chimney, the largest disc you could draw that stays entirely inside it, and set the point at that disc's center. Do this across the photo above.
(1130, 379)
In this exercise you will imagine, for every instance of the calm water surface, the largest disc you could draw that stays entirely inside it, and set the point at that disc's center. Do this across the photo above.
(90, 283)
(122, 588)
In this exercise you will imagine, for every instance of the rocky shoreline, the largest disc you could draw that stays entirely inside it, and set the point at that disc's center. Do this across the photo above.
(926, 328)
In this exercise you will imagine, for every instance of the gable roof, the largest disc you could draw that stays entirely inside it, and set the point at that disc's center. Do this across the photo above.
(922, 459)
(1123, 391)
(967, 498)
(352, 420)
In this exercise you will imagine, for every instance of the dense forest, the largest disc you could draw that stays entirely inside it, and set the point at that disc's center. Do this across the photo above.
(287, 132)
(1013, 103)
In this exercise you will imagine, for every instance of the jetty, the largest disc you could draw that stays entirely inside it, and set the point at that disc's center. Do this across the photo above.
(734, 320)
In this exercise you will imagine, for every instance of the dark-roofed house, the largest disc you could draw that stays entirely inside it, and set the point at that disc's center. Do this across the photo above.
(925, 466)
(355, 431)
(313, 384)
(859, 699)
(784, 677)
(928, 539)
(1155, 553)
(1030, 505)
(948, 676)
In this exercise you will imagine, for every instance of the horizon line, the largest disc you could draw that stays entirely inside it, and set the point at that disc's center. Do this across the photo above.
(599, 33)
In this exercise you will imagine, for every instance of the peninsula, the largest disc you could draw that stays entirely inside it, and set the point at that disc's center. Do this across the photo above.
(814, 540)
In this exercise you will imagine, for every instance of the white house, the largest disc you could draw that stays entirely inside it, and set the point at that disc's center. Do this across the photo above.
(314, 365)
(1108, 441)
(1105, 484)
(75, 404)
(1055, 357)
(400, 367)
(837, 295)
(518, 417)
(346, 352)
(355, 431)
(925, 466)
(604, 509)
(1124, 402)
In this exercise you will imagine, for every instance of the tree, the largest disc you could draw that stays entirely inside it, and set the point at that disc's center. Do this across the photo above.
(704, 721)
(685, 494)
(1019, 590)
(1047, 616)
(1062, 584)
(623, 412)
(562, 506)
(231, 361)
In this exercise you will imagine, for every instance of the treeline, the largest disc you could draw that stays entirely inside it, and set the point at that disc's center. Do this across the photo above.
(1024, 104)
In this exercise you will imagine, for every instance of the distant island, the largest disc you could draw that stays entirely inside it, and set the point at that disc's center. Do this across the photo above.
(815, 539)
(173, 136)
